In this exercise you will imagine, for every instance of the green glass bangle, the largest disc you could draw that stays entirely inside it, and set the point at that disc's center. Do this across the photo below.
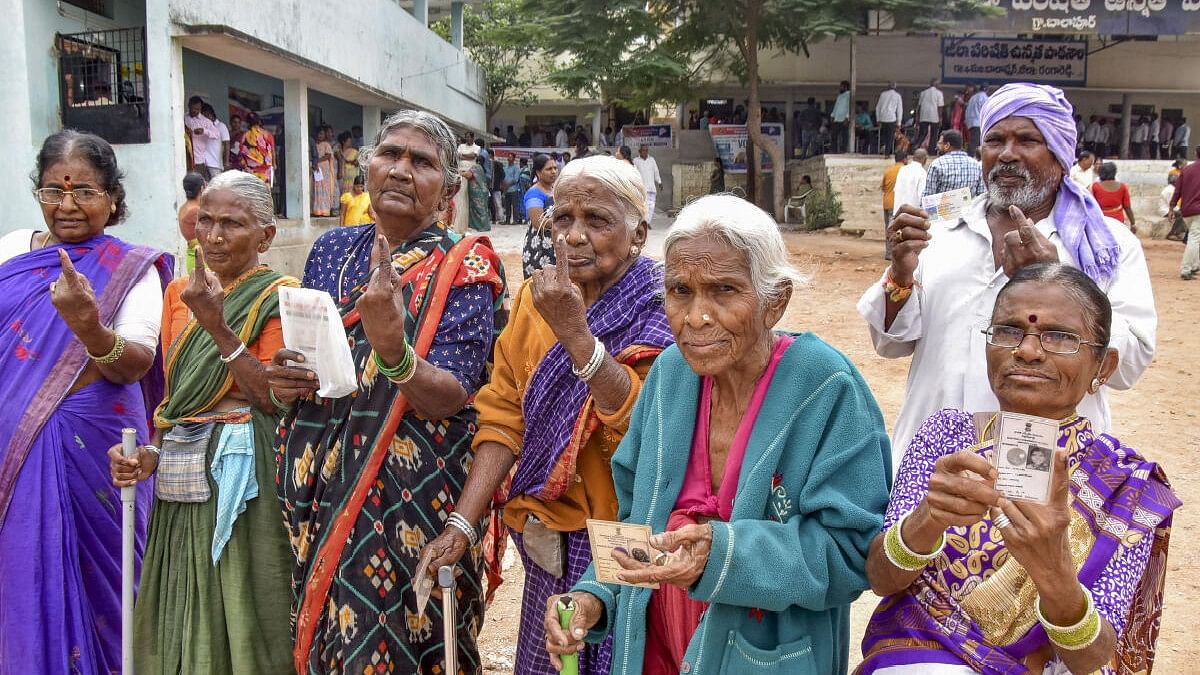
(399, 369)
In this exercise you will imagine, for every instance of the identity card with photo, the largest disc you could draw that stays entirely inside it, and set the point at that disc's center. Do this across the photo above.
(947, 206)
(605, 536)
(1024, 456)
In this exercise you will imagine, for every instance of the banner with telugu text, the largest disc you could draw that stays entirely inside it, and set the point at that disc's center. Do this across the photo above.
(1001, 60)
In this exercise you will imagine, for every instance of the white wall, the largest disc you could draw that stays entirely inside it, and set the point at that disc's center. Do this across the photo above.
(379, 45)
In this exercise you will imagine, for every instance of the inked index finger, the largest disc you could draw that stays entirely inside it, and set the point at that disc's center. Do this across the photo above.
(68, 268)
(560, 256)
(1018, 215)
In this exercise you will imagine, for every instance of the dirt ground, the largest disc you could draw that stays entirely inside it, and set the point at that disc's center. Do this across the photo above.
(1158, 417)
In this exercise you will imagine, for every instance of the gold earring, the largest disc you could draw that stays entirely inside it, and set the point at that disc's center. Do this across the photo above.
(1015, 350)
(1096, 384)
(634, 251)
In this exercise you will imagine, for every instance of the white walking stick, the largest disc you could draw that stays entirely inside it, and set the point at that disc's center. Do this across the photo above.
(449, 621)
(128, 525)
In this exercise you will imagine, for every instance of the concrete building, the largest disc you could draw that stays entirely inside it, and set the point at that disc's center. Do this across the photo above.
(125, 69)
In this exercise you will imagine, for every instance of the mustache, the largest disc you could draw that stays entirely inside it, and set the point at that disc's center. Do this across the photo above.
(1009, 170)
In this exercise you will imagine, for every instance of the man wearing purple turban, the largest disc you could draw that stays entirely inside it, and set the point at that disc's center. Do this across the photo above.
(939, 291)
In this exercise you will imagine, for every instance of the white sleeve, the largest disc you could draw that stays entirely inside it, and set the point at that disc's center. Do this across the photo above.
(224, 132)
(907, 327)
(139, 318)
(1134, 318)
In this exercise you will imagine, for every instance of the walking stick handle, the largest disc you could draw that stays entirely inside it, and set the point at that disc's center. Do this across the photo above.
(449, 619)
(566, 611)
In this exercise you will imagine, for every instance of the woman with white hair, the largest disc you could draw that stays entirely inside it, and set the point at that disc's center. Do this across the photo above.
(761, 459)
(582, 335)
(214, 592)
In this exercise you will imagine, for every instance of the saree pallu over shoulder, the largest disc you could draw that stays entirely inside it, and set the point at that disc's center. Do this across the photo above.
(975, 603)
(197, 380)
(630, 321)
(39, 356)
(332, 476)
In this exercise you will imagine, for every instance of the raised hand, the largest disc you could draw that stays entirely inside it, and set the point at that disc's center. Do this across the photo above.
(557, 298)
(381, 306)
(1025, 245)
(909, 232)
(73, 297)
(204, 296)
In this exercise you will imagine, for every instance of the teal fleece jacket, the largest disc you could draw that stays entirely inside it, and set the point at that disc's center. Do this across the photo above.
(811, 496)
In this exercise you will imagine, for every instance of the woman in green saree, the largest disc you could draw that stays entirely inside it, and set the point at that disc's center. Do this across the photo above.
(214, 594)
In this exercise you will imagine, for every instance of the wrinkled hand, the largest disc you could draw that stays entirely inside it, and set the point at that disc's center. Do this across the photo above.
(204, 296)
(961, 490)
(1038, 536)
(1025, 245)
(558, 641)
(290, 383)
(557, 298)
(447, 549)
(381, 306)
(909, 232)
(127, 471)
(73, 297)
(687, 552)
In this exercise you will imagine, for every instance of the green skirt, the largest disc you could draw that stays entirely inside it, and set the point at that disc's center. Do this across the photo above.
(192, 617)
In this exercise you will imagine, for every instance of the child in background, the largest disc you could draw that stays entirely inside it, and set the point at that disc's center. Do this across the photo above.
(193, 185)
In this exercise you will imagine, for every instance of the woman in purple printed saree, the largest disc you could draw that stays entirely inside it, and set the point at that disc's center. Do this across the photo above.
(1074, 585)
(78, 353)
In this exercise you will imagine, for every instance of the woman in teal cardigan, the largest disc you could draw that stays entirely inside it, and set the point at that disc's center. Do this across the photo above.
(762, 459)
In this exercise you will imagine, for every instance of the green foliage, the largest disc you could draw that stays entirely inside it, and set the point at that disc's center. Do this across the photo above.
(822, 209)
(496, 36)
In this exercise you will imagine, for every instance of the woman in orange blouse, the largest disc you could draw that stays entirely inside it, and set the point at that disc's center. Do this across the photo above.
(568, 368)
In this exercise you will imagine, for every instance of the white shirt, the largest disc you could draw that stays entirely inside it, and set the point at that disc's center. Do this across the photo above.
(202, 141)
(910, 185)
(212, 152)
(1084, 177)
(649, 170)
(1154, 129)
(1164, 200)
(890, 107)
(1092, 132)
(560, 138)
(928, 105)
(1141, 132)
(139, 317)
(957, 285)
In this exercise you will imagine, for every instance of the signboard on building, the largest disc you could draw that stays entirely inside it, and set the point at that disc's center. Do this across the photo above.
(652, 135)
(1091, 17)
(996, 61)
(729, 142)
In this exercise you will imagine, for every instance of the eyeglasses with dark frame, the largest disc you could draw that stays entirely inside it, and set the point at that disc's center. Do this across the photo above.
(80, 195)
(1052, 341)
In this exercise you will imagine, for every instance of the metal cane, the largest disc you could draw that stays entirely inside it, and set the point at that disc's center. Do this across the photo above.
(128, 525)
(449, 620)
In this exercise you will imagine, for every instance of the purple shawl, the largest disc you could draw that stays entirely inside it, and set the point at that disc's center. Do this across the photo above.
(1077, 217)
(629, 313)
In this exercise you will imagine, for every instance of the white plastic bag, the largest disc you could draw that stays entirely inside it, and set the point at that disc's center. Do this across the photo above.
(313, 327)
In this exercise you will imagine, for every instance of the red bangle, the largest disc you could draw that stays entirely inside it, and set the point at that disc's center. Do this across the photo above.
(895, 291)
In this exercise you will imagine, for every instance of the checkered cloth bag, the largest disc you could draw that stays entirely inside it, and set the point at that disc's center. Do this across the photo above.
(182, 474)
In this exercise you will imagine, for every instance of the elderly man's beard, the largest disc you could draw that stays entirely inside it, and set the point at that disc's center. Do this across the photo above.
(1030, 194)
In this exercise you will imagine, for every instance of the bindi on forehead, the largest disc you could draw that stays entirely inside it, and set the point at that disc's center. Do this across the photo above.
(1033, 318)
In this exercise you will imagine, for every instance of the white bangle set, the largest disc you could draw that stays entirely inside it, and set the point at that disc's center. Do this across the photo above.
(458, 521)
(592, 367)
(236, 353)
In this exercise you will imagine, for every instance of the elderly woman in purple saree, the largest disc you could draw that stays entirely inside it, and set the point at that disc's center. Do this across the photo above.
(978, 582)
(78, 355)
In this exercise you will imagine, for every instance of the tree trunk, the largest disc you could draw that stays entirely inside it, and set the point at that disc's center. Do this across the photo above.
(754, 117)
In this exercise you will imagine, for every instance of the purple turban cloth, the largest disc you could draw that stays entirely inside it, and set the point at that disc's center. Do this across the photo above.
(1077, 216)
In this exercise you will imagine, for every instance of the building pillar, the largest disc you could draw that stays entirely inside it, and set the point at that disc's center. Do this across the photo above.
(165, 158)
(1126, 122)
(851, 143)
(597, 126)
(370, 122)
(421, 11)
(297, 171)
(456, 23)
(789, 127)
(15, 109)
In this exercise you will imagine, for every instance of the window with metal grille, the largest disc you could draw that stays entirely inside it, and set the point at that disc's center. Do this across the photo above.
(102, 84)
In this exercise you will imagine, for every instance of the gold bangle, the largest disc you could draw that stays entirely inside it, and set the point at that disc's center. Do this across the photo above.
(903, 557)
(113, 355)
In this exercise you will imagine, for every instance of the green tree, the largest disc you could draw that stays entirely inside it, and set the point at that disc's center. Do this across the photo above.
(666, 50)
(495, 36)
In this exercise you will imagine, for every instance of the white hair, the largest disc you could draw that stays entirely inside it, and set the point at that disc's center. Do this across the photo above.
(746, 228)
(431, 125)
(618, 177)
(250, 189)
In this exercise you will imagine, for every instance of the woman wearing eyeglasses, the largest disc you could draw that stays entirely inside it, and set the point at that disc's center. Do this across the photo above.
(80, 311)
(974, 582)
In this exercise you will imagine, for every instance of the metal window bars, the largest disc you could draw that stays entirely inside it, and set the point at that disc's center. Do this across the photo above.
(102, 83)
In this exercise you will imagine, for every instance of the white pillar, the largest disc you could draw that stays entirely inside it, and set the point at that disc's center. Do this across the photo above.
(789, 129)
(597, 126)
(23, 210)
(421, 11)
(1126, 122)
(370, 122)
(297, 171)
(166, 155)
(851, 145)
(456, 23)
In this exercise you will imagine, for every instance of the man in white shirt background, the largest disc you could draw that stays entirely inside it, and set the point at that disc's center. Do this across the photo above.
(1138, 138)
(840, 115)
(889, 111)
(648, 168)
(1183, 138)
(1084, 170)
(1090, 133)
(560, 137)
(929, 114)
(1152, 138)
(910, 182)
(203, 134)
(974, 108)
(939, 291)
(217, 153)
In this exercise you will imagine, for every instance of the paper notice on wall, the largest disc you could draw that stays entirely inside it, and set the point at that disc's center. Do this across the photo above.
(313, 327)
